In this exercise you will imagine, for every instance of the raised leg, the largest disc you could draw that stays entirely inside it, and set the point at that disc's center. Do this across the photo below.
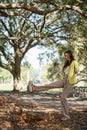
(53, 85)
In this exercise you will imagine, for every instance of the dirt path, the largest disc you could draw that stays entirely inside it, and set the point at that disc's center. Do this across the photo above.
(23, 111)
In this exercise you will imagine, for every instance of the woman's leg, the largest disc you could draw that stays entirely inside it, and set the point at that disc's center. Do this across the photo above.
(53, 85)
(63, 96)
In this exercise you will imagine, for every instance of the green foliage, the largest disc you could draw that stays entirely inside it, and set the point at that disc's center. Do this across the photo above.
(82, 4)
(54, 70)
(5, 74)
(70, 2)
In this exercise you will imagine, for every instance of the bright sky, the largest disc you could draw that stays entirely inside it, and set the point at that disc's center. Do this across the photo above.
(33, 57)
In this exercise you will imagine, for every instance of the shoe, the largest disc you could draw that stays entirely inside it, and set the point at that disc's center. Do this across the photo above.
(65, 118)
(30, 86)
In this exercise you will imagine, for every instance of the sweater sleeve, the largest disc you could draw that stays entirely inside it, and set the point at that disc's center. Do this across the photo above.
(76, 67)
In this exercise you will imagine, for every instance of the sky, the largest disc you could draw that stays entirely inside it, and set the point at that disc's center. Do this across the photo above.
(32, 57)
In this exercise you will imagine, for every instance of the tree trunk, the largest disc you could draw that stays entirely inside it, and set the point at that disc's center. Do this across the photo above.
(16, 73)
(16, 78)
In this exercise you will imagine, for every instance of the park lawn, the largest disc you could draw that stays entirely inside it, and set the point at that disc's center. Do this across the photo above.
(9, 87)
(6, 87)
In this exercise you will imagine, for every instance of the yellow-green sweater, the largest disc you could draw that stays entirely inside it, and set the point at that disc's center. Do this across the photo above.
(71, 72)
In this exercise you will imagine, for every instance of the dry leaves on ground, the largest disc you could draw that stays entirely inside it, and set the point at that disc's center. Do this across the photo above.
(16, 115)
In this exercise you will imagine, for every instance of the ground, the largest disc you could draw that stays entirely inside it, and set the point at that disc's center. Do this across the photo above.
(40, 111)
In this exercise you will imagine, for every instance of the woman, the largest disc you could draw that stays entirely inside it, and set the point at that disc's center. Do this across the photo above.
(68, 79)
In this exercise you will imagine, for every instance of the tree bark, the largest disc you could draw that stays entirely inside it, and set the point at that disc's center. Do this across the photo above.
(16, 76)
(16, 80)
(16, 70)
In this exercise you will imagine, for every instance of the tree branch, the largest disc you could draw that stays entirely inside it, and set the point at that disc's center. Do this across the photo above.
(5, 66)
(35, 10)
(10, 63)
(6, 14)
(9, 32)
(2, 50)
(24, 23)
(43, 24)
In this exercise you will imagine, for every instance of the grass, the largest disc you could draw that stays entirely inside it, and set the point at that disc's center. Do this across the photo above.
(6, 87)
(55, 90)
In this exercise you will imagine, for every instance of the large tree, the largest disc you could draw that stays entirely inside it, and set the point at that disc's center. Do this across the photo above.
(20, 33)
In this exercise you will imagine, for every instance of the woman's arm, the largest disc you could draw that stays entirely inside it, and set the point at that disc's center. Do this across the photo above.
(76, 67)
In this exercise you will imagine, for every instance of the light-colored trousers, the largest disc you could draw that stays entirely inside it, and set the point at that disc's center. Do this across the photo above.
(66, 90)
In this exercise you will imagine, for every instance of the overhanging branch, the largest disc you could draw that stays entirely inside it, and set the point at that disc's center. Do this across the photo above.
(33, 9)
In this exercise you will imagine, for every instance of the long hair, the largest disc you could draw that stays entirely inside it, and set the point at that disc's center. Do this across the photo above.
(67, 63)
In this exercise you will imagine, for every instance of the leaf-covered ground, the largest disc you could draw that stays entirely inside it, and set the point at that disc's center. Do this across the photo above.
(23, 111)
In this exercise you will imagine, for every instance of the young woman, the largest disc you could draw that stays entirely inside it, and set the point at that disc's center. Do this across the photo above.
(68, 79)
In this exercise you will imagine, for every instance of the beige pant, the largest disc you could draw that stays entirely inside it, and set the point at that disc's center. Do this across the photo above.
(66, 90)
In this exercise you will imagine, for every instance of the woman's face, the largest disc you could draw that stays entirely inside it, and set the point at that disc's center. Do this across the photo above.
(67, 56)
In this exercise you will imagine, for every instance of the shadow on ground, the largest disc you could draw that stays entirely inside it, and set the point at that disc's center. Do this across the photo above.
(23, 111)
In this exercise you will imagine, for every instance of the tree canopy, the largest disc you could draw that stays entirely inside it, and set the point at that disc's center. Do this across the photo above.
(41, 7)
